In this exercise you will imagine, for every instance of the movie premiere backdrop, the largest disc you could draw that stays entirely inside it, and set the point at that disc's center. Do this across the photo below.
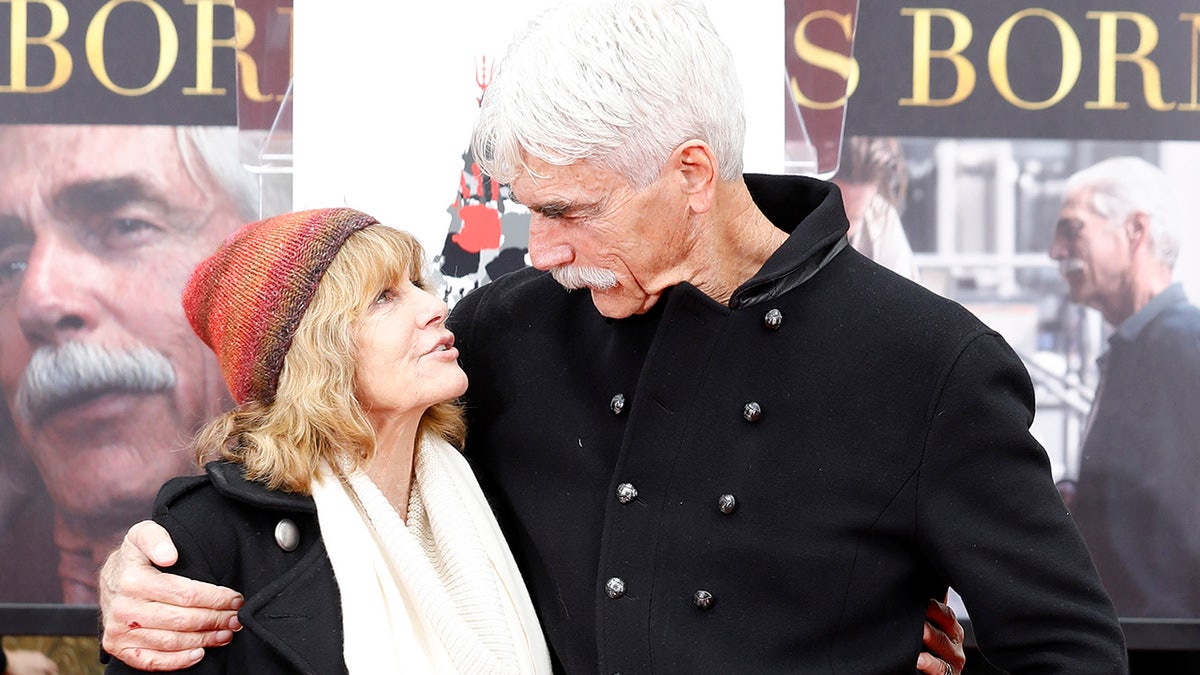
(993, 105)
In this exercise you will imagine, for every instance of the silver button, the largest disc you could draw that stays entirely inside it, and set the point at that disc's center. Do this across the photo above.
(752, 412)
(773, 319)
(614, 588)
(626, 493)
(617, 404)
(703, 599)
(287, 535)
(727, 504)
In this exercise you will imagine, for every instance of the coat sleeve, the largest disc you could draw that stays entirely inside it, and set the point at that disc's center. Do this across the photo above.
(993, 524)
(180, 509)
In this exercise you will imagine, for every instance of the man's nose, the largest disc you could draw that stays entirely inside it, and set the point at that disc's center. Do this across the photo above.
(54, 301)
(547, 247)
(1059, 249)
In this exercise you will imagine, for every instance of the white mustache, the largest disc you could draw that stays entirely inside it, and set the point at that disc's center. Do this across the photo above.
(57, 376)
(575, 277)
(1069, 265)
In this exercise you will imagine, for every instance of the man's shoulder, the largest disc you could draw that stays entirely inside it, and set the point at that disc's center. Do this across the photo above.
(867, 295)
(1175, 330)
(1182, 317)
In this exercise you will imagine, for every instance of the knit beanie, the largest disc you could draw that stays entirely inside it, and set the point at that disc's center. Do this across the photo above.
(246, 300)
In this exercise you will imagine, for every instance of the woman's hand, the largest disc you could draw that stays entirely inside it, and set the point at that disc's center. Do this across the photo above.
(943, 638)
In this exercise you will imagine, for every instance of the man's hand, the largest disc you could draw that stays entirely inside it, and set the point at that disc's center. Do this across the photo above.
(944, 639)
(158, 621)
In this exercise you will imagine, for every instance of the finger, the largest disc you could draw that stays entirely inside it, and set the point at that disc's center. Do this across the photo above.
(943, 648)
(928, 664)
(173, 590)
(942, 616)
(125, 618)
(172, 641)
(151, 541)
(147, 659)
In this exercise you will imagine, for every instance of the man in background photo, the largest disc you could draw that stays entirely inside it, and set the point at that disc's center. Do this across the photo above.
(26, 525)
(100, 227)
(1116, 243)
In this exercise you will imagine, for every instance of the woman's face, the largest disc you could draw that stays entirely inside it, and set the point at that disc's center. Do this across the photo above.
(406, 358)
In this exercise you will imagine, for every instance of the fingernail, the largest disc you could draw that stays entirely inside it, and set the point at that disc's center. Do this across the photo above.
(196, 654)
(162, 551)
(234, 624)
(237, 602)
(224, 637)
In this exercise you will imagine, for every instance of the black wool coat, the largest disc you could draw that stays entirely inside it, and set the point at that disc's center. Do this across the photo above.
(225, 529)
(776, 485)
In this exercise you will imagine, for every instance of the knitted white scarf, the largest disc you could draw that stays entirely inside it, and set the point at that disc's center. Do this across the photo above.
(441, 594)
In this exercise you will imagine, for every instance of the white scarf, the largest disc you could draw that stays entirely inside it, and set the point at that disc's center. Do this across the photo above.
(441, 594)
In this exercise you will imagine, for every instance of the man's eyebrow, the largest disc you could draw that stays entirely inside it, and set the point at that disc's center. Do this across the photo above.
(105, 195)
(562, 208)
(551, 209)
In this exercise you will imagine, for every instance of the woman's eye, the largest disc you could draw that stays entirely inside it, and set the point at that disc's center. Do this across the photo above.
(384, 297)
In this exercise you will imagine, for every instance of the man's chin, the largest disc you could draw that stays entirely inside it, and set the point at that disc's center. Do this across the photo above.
(109, 481)
(613, 304)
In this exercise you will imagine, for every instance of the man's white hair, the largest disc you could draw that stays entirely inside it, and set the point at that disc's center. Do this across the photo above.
(220, 150)
(1121, 186)
(620, 83)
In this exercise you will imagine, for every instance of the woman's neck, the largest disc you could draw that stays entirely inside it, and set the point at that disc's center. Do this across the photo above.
(391, 469)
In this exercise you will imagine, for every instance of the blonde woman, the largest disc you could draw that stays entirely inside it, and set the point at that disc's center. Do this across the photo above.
(339, 506)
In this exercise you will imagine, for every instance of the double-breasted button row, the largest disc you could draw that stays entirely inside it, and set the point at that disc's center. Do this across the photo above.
(615, 589)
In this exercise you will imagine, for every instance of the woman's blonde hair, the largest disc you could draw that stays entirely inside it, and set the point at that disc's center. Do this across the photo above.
(315, 415)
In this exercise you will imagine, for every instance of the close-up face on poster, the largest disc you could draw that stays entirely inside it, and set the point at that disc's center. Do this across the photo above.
(1033, 162)
(128, 151)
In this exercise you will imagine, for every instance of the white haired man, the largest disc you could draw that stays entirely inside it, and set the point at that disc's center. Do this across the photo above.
(1135, 501)
(689, 457)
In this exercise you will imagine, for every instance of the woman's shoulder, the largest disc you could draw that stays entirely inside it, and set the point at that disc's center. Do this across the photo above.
(223, 524)
(224, 481)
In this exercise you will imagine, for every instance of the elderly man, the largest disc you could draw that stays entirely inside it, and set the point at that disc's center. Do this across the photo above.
(743, 447)
(1136, 501)
(99, 229)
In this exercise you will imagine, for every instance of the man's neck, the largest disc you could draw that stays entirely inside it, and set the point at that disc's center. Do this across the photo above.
(1148, 281)
(734, 243)
(83, 543)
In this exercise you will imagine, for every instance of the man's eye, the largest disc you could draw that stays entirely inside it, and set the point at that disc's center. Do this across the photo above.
(127, 225)
(124, 233)
(12, 269)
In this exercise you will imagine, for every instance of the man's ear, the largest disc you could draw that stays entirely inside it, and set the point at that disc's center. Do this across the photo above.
(1137, 229)
(696, 166)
